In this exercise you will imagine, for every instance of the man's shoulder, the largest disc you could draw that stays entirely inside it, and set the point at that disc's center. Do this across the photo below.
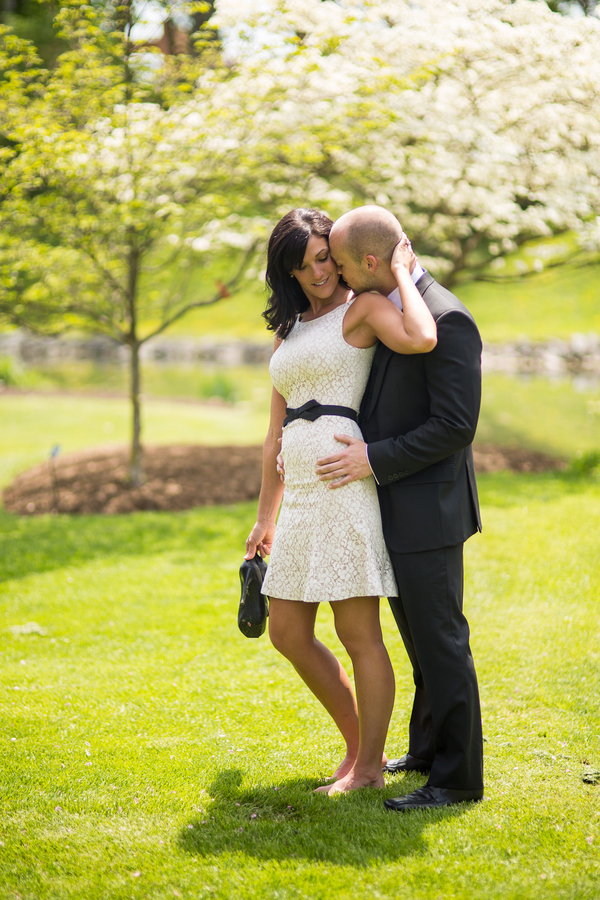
(439, 299)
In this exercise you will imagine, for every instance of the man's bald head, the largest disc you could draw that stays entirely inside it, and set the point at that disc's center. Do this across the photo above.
(367, 231)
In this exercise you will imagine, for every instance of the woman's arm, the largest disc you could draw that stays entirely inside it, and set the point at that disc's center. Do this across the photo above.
(373, 316)
(261, 536)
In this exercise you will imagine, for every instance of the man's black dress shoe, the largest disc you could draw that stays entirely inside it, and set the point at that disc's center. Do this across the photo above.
(429, 797)
(407, 764)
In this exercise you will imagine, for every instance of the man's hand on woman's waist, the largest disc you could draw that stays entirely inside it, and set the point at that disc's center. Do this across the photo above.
(349, 464)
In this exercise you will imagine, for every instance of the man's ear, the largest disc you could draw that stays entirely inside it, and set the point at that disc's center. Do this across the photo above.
(372, 263)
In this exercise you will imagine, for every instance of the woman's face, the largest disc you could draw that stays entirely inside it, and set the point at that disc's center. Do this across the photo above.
(318, 275)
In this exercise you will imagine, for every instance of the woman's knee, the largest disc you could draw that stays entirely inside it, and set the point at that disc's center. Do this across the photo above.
(293, 646)
(358, 628)
(292, 635)
(357, 645)
(280, 637)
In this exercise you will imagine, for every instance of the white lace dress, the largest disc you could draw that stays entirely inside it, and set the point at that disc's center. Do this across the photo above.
(328, 543)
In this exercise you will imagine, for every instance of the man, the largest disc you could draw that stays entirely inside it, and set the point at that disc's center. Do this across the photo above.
(418, 418)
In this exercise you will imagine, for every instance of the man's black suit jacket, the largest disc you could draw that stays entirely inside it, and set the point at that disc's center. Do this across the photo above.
(418, 416)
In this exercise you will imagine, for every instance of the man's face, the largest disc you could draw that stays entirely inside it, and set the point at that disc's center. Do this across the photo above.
(356, 275)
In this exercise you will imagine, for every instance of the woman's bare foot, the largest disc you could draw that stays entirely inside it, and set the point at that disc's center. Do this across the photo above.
(345, 767)
(351, 782)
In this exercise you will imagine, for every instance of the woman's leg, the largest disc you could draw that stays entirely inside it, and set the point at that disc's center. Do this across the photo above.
(358, 627)
(292, 632)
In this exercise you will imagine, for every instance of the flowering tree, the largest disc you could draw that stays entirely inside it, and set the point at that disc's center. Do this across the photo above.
(109, 174)
(476, 122)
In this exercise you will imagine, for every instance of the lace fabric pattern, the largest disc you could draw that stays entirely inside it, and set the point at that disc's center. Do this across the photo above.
(328, 543)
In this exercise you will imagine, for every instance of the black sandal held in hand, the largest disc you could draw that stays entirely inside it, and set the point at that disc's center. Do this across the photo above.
(254, 606)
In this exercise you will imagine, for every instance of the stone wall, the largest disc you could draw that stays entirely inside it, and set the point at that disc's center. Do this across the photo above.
(578, 356)
(36, 351)
(553, 358)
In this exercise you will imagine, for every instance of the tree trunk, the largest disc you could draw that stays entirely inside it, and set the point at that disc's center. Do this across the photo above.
(136, 464)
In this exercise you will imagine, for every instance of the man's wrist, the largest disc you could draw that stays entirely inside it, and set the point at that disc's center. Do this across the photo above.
(369, 464)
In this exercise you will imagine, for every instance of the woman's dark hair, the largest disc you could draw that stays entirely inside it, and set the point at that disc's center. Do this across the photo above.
(287, 246)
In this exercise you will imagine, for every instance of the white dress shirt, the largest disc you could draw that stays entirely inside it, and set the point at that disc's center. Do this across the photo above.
(415, 275)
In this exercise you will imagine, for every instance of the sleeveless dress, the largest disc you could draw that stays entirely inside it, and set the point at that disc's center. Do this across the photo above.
(328, 544)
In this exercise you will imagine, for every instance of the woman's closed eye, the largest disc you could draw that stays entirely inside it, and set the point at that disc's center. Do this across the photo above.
(320, 259)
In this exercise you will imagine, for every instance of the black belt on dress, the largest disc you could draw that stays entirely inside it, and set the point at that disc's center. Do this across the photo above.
(312, 410)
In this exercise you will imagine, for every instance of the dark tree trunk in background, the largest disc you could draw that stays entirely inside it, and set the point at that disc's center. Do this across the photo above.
(136, 464)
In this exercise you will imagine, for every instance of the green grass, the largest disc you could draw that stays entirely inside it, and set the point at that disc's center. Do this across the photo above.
(193, 382)
(555, 303)
(235, 318)
(557, 417)
(31, 424)
(537, 413)
(143, 712)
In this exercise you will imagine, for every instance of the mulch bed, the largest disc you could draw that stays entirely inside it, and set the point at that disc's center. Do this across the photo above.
(181, 477)
(489, 458)
(177, 477)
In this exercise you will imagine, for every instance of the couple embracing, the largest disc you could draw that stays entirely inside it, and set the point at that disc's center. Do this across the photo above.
(377, 385)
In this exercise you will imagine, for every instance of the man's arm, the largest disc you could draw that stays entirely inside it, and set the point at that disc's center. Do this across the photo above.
(453, 373)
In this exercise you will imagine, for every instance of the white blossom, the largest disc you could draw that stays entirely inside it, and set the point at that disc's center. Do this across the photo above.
(475, 121)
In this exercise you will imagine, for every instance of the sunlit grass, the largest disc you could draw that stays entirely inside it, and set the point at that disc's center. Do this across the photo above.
(554, 303)
(552, 416)
(149, 750)
(201, 381)
(31, 424)
(561, 417)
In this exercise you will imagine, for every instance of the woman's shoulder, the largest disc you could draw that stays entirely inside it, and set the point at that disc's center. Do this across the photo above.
(365, 301)
(369, 297)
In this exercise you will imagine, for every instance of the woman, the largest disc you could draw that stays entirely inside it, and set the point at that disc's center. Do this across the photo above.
(328, 545)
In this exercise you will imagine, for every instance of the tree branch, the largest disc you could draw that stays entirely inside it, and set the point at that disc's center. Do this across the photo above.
(512, 279)
(198, 303)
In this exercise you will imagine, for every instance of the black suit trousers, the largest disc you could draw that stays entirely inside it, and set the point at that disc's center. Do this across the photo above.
(445, 726)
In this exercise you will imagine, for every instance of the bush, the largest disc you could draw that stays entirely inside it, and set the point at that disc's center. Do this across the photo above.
(10, 374)
(219, 385)
(585, 465)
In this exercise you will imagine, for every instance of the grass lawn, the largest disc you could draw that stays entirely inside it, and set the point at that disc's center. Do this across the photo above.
(31, 424)
(554, 303)
(150, 751)
(559, 417)
(537, 413)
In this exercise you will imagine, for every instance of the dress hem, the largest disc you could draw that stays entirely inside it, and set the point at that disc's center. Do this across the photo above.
(337, 599)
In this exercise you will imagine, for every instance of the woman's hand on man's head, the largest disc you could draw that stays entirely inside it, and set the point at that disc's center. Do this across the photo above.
(403, 256)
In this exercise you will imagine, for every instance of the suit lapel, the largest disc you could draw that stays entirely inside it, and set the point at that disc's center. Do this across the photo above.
(424, 282)
(383, 354)
(382, 357)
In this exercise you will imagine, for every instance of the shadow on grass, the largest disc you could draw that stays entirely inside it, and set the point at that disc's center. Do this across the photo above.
(289, 821)
(30, 545)
(34, 544)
